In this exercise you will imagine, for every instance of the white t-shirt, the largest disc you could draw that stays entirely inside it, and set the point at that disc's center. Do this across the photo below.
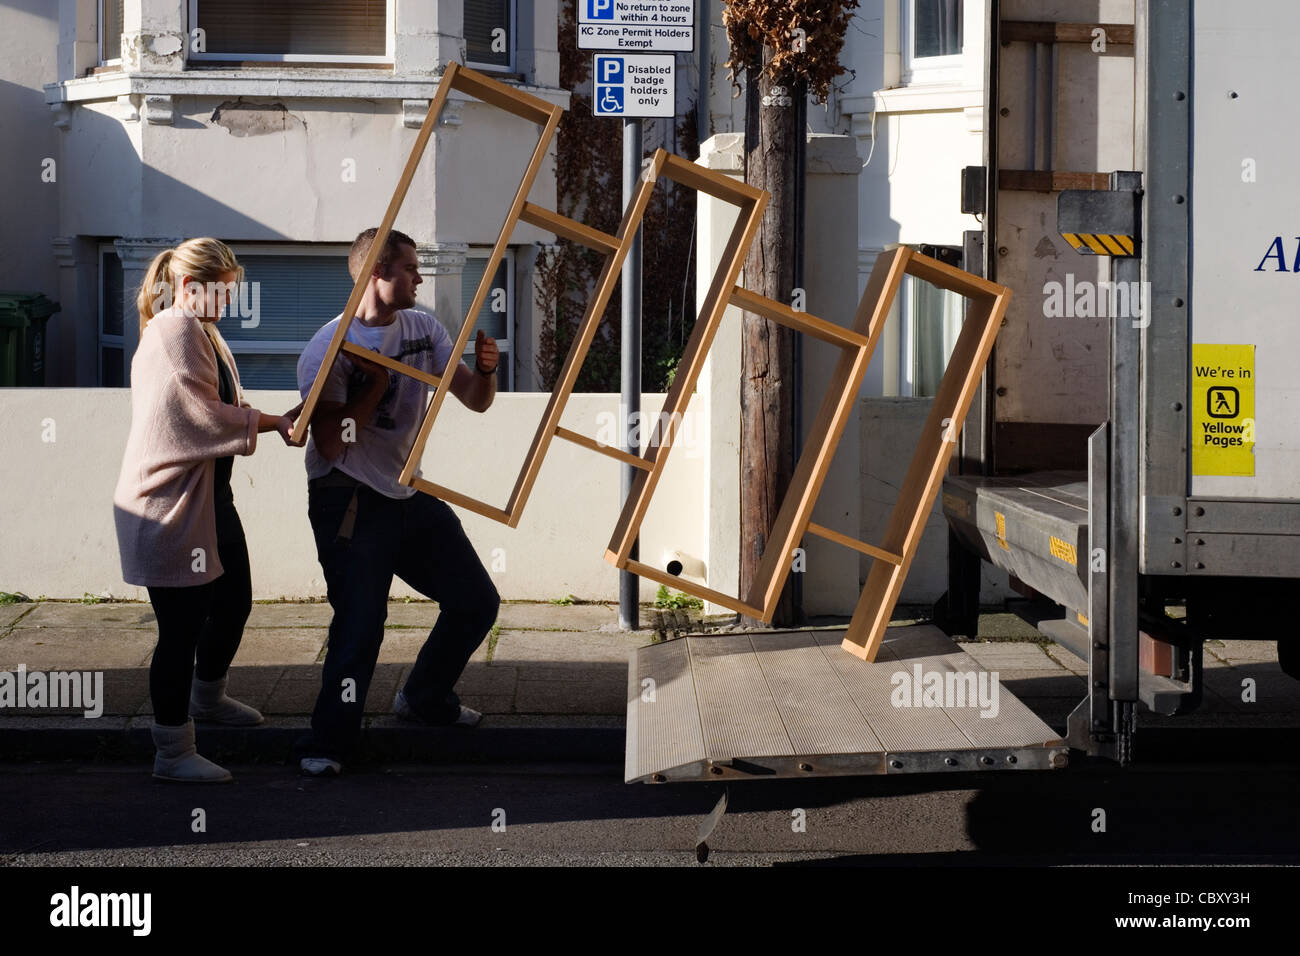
(376, 457)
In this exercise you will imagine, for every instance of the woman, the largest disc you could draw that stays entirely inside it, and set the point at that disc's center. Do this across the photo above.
(177, 529)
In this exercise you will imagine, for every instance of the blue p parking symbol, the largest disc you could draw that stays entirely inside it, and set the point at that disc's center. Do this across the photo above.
(609, 69)
(600, 9)
(609, 85)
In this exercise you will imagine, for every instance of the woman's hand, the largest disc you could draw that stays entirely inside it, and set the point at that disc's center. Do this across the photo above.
(285, 426)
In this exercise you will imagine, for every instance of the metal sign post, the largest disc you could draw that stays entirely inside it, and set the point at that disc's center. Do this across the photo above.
(630, 399)
(629, 84)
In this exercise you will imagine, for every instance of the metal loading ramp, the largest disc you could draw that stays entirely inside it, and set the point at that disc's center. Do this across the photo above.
(795, 704)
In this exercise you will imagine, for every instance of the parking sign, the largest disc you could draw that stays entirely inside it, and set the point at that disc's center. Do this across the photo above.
(643, 26)
(635, 86)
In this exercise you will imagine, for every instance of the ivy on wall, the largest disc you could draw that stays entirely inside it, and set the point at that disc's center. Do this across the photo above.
(589, 180)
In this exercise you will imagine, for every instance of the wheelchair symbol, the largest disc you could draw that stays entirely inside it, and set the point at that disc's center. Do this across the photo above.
(611, 100)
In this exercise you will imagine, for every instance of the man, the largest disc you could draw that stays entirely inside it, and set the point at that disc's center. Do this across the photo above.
(369, 527)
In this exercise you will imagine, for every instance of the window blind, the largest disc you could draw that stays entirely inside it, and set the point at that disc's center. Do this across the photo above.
(110, 29)
(298, 294)
(301, 27)
(495, 324)
(481, 18)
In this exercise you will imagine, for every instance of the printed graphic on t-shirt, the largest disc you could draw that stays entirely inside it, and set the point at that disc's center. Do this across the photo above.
(378, 453)
(409, 351)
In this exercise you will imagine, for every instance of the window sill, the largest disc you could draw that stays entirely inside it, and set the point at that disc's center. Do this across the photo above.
(923, 99)
(305, 82)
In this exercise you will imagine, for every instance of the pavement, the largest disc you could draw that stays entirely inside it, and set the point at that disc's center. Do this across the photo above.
(545, 668)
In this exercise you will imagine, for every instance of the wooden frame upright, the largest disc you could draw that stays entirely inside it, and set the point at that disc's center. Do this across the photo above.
(615, 249)
(893, 558)
(987, 303)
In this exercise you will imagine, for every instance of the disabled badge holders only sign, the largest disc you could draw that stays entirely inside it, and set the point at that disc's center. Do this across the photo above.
(634, 86)
(1223, 410)
(650, 26)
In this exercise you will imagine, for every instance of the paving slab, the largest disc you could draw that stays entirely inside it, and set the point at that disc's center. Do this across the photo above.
(91, 616)
(1235, 651)
(279, 645)
(1066, 658)
(65, 648)
(424, 614)
(293, 695)
(480, 678)
(421, 615)
(1042, 683)
(566, 646)
(404, 645)
(572, 697)
(285, 614)
(12, 612)
(383, 688)
(1007, 656)
(1005, 625)
(301, 672)
(126, 691)
(518, 615)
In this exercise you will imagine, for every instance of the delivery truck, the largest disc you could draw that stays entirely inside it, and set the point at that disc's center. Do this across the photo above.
(1132, 458)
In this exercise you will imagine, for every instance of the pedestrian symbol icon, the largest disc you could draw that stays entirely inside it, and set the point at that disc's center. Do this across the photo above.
(1223, 401)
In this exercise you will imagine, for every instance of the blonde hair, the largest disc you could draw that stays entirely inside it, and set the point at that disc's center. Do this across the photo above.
(205, 260)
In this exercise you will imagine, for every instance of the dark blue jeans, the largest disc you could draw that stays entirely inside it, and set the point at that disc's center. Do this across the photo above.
(419, 539)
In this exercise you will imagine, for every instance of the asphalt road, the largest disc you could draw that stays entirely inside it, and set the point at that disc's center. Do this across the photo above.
(1173, 811)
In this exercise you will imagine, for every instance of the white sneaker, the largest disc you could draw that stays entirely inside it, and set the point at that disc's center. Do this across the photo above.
(468, 716)
(320, 767)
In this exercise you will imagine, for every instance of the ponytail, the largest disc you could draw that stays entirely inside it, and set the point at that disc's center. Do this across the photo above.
(157, 285)
(205, 259)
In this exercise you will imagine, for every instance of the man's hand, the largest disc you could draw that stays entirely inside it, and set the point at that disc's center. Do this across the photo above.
(476, 389)
(327, 423)
(486, 354)
(373, 371)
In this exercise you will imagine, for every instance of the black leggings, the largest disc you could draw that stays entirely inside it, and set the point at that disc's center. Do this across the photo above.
(200, 627)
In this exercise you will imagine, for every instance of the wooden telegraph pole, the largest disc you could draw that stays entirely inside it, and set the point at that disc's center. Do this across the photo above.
(784, 48)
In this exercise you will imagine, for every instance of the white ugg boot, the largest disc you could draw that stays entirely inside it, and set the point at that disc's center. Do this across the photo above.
(208, 701)
(178, 760)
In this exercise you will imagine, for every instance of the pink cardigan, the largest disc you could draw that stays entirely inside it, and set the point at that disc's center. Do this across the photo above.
(163, 506)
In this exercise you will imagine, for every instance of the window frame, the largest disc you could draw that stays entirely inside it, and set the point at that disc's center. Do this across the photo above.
(103, 340)
(511, 43)
(390, 14)
(506, 346)
(99, 29)
(908, 383)
(928, 70)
